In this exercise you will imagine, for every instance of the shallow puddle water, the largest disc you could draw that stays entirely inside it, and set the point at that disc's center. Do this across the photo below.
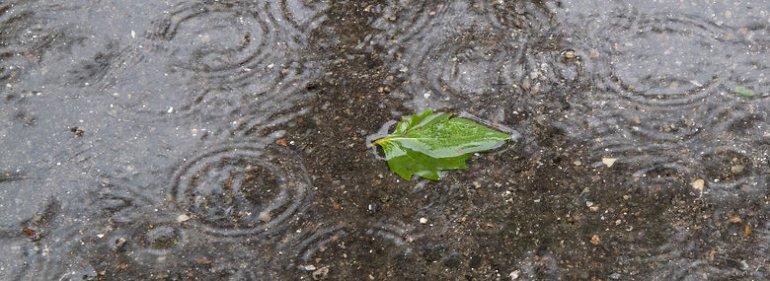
(227, 140)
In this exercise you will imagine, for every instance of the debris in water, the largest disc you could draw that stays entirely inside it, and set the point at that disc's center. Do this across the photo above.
(744, 92)
(514, 274)
(609, 161)
(182, 218)
(746, 230)
(321, 273)
(308, 267)
(202, 260)
(569, 55)
(79, 132)
(596, 240)
(698, 185)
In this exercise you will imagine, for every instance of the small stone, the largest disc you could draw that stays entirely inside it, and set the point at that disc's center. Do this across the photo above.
(577, 163)
(594, 208)
(609, 161)
(264, 217)
(29, 232)
(423, 220)
(308, 267)
(514, 274)
(321, 273)
(182, 218)
(282, 142)
(735, 219)
(744, 265)
(119, 243)
(615, 276)
(594, 54)
(746, 230)
(202, 260)
(699, 184)
(569, 55)
(79, 132)
(596, 240)
(737, 169)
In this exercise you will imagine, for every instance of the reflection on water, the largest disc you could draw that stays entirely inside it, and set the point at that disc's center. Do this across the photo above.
(213, 139)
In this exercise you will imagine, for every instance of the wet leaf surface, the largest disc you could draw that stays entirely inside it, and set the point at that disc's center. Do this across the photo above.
(427, 143)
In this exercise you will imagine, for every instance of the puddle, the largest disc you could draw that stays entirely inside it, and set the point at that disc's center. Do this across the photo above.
(210, 140)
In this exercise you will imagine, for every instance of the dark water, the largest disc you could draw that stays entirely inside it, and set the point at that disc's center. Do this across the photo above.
(211, 140)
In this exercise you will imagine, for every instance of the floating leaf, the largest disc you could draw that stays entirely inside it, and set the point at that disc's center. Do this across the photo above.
(744, 92)
(427, 143)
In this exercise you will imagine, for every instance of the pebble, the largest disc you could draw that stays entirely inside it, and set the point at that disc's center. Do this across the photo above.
(202, 260)
(569, 55)
(596, 240)
(78, 131)
(308, 267)
(321, 273)
(609, 161)
(264, 216)
(699, 184)
(514, 274)
(182, 218)
(119, 243)
(423, 220)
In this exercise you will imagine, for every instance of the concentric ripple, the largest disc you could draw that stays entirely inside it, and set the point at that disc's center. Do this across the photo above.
(464, 56)
(52, 247)
(241, 190)
(664, 84)
(24, 39)
(533, 17)
(234, 43)
(216, 59)
(378, 249)
(658, 60)
(455, 66)
(145, 241)
(462, 68)
(733, 171)
(691, 256)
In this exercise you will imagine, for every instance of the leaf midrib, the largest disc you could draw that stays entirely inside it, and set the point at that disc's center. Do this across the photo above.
(383, 140)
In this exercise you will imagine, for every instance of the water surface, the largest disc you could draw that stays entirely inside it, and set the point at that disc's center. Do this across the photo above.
(212, 140)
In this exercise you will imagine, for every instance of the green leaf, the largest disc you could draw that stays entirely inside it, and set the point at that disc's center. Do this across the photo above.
(427, 143)
(744, 92)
